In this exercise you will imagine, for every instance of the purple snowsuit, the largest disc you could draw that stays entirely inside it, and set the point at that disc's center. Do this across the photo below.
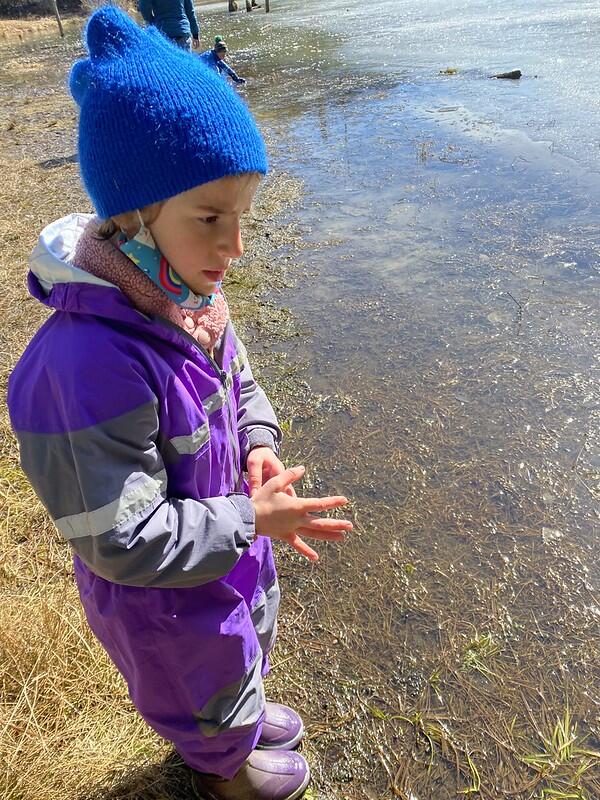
(135, 439)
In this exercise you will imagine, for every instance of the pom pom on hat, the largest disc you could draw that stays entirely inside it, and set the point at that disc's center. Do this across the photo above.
(109, 33)
(154, 121)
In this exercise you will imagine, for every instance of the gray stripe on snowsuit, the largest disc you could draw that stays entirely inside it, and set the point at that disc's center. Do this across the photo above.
(115, 511)
(74, 476)
(181, 543)
(138, 494)
(264, 616)
(256, 423)
(192, 444)
(236, 706)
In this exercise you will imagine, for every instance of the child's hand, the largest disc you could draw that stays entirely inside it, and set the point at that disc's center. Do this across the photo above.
(261, 465)
(282, 515)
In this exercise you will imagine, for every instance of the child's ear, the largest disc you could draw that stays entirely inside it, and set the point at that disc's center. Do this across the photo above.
(106, 229)
(128, 223)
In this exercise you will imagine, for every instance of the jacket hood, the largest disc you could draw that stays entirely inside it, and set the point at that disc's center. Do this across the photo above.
(56, 281)
(51, 261)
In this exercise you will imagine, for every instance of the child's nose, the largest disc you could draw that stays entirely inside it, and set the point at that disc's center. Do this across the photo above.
(233, 245)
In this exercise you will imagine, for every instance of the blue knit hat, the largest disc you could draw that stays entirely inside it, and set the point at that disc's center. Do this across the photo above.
(154, 121)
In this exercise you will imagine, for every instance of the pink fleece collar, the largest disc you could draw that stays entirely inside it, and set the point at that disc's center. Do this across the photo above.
(102, 258)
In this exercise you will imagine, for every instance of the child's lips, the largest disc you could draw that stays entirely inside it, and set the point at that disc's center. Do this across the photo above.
(214, 275)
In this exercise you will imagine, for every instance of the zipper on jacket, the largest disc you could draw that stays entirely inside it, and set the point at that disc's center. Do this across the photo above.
(222, 375)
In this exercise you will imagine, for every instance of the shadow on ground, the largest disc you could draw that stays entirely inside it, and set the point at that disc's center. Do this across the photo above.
(170, 778)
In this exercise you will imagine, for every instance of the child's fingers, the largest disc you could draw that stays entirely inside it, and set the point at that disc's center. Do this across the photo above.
(324, 536)
(254, 480)
(312, 505)
(326, 524)
(303, 548)
(254, 465)
(281, 482)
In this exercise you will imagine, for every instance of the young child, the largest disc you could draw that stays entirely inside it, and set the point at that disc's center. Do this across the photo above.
(137, 413)
(215, 59)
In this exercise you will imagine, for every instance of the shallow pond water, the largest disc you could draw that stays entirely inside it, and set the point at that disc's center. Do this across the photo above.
(450, 297)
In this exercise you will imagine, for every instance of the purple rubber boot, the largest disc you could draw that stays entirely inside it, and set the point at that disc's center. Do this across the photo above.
(265, 775)
(282, 728)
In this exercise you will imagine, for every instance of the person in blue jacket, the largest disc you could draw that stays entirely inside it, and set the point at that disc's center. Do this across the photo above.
(215, 60)
(175, 18)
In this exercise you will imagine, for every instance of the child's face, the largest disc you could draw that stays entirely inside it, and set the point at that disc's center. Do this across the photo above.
(198, 231)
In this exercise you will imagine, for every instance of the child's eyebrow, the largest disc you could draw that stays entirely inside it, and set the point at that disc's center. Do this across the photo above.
(211, 209)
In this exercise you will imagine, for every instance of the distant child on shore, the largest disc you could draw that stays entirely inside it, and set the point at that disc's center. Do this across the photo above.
(140, 425)
(215, 59)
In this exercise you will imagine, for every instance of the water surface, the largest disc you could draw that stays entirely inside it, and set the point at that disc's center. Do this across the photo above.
(451, 302)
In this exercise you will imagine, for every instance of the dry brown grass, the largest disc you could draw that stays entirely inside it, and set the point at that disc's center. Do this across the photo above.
(65, 722)
(24, 28)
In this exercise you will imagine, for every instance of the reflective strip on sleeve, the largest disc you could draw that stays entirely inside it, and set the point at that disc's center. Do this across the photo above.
(190, 445)
(139, 492)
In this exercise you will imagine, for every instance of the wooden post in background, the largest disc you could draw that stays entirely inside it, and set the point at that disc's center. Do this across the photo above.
(58, 19)
(248, 5)
(267, 6)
